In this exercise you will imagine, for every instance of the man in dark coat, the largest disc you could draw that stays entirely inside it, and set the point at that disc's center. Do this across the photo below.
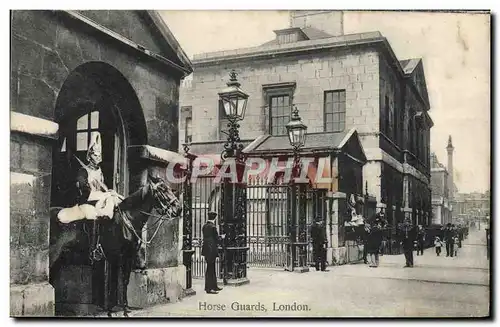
(210, 251)
(319, 240)
(449, 235)
(364, 234)
(374, 242)
(408, 240)
(420, 240)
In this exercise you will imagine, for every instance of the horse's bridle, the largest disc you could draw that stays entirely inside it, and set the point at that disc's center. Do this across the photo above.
(158, 191)
(165, 197)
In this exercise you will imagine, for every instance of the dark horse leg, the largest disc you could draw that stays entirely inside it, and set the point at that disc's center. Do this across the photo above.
(111, 283)
(126, 269)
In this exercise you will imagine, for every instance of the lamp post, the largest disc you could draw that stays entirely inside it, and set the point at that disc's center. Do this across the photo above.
(233, 218)
(297, 223)
(187, 227)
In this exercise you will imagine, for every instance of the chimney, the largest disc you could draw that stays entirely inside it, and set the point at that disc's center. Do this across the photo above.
(329, 21)
(450, 149)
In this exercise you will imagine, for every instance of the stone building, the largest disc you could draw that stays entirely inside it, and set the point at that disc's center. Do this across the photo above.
(72, 73)
(473, 209)
(442, 188)
(339, 83)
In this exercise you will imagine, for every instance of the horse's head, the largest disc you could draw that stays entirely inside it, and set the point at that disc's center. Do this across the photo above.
(166, 202)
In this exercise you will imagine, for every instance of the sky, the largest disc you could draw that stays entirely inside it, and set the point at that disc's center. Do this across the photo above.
(455, 48)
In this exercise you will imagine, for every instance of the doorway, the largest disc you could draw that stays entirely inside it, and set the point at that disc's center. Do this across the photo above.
(95, 98)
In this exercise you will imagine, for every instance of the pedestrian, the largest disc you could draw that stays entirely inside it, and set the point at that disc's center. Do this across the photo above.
(320, 242)
(420, 240)
(438, 244)
(210, 251)
(456, 247)
(460, 236)
(408, 239)
(366, 231)
(449, 240)
(375, 241)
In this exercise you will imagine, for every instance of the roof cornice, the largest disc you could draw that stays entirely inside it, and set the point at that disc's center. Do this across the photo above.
(185, 70)
(271, 51)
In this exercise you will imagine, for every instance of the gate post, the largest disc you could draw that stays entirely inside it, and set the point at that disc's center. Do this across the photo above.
(187, 223)
(302, 229)
(234, 213)
(291, 227)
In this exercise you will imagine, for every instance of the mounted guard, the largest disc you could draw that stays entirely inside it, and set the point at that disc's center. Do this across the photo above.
(94, 199)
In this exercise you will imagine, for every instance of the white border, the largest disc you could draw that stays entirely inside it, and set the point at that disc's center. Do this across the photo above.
(188, 4)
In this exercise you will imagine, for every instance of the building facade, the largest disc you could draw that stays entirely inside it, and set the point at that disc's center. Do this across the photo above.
(472, 209)
(72, 73)
(442, 188)
(338, 82)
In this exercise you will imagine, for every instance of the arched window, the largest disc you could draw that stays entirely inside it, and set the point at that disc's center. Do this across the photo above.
(85, 126)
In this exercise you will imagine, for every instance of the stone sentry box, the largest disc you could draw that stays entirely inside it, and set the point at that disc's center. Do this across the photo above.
(62, 60)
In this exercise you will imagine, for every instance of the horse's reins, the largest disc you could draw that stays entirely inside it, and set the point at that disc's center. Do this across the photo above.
(160, 221)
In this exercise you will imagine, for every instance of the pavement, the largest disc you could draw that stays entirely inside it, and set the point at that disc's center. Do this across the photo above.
(435, 287)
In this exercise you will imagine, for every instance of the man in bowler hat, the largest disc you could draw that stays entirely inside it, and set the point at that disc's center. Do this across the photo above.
(408, 240)
(449, 236)
(210, 252)
(319, 240)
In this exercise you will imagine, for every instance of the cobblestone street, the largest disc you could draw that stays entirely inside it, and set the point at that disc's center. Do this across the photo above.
(435, 287)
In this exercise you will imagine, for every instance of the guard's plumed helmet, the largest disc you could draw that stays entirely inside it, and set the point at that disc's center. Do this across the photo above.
(94, 153)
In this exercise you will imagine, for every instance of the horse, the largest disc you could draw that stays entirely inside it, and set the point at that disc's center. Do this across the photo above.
(119, 237)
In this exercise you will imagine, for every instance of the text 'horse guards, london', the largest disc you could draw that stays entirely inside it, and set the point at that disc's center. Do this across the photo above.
(119, 221)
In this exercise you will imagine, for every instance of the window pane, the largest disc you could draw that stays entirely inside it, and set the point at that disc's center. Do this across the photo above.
(274, 101)
(328, 108)
(329, 97)
(279, 111)
(83, 122)
(342, 96)
(286, 101)
(188, 128)
(280, 101)
(94, 119)
(81, 141)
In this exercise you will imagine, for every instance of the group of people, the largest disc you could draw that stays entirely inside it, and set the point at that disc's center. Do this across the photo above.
(452, 238)
(411, 239)
(452, 241)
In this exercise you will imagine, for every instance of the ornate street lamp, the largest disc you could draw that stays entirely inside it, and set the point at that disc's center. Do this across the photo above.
(233, 217)
(296, 131)
(297, 223)
(234, 99)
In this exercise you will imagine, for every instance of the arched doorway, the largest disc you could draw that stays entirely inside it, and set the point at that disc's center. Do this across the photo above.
(95, 97)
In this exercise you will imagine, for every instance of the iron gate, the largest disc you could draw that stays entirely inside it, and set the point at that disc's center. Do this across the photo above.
(267, 216)
(201, 194)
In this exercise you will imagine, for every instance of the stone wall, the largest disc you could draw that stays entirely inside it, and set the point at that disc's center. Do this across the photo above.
(355, 71)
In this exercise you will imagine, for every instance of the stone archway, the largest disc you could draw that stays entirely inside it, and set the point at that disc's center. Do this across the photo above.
(94, 97)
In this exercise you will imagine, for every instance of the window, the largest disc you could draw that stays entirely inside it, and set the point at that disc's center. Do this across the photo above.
(280, 109)
(387, 122)
(223, 122)
(189, 130)
(334, 111)
(85, 126)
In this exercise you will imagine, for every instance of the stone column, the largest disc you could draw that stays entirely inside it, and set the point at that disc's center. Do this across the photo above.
(164, 279)
(31, 143)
